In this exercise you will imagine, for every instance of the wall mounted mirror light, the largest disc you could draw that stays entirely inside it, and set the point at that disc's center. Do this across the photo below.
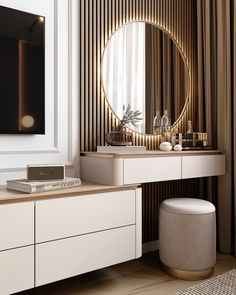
(22, 72)
(144, 66)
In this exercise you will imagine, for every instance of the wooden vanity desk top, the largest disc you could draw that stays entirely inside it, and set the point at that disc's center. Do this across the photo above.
(86, 188)
(144, 154)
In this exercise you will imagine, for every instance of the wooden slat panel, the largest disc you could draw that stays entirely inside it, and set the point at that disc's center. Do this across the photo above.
(98, 20)
(155, 193)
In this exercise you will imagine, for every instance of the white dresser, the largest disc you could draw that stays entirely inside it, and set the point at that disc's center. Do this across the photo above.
(150, 166)
(51, 236)
(16, 247)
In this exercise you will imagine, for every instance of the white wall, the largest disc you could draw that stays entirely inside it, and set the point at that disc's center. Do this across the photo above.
(60, 142)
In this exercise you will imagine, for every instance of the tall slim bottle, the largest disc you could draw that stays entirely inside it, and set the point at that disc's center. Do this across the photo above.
(165, 122)
(189, 134)
(165, 126)
(157, 124)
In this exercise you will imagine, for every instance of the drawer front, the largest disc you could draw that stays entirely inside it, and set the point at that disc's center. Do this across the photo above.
(141, 170)
(16, 225)
(64, 258)
(16, 270)
(112, 170)
(73, 216)
(201, 166)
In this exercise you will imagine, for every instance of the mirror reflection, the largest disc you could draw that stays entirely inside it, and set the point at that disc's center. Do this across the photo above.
(143, 66)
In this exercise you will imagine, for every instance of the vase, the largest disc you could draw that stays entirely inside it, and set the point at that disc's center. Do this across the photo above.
(119, 138)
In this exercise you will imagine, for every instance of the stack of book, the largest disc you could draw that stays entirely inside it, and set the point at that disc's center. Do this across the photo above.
(28, 186)
(43, 178)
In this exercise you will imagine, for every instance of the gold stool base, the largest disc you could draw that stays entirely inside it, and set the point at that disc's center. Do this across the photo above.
(186, 274)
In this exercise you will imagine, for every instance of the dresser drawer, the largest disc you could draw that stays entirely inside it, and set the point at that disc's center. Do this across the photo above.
(16, 225)
(141, 170)
(201, 166)
(16, 270)
(71, 216)
(57, 260)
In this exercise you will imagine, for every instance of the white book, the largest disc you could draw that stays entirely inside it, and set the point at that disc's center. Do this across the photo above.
(27, 186)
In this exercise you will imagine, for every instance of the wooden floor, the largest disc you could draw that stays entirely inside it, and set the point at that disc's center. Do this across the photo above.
(138, 277)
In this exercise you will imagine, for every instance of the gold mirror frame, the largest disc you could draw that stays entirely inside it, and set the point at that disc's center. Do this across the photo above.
(185, 63)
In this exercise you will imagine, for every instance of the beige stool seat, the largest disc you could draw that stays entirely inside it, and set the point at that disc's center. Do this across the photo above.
(187, 236)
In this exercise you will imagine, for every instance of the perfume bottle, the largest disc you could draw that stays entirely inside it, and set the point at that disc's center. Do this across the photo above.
(188, 135)
(165, 127)
(165, 122)
(189, 131)
(157, 124)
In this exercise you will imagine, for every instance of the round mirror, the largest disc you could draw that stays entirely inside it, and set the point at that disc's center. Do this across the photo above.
(143, 65)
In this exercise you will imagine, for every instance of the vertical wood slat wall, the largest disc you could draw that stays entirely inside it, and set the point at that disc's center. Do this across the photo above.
(98, 20)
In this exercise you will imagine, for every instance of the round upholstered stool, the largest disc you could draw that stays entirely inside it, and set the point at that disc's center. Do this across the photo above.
(187, 236)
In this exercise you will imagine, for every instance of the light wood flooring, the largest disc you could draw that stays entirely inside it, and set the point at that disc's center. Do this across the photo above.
(138, 277)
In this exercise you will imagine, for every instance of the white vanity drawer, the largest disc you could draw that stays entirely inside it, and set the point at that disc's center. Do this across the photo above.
(141, 170)
(107, 171)
(65, 217)
(64, 258)
(16, 270)
(16, 225)
(201, 166)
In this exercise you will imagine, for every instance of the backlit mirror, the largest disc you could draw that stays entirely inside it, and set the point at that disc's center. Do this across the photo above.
(144, 66)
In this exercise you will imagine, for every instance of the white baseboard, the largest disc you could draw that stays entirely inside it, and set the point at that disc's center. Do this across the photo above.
(150, 246)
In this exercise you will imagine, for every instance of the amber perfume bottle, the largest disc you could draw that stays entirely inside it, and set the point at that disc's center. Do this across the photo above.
(188, 135)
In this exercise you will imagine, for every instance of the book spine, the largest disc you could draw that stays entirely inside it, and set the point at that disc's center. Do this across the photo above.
(54, 186)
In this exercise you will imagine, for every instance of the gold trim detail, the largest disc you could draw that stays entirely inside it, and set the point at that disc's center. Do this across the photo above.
(188, 274)
(184, 58)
